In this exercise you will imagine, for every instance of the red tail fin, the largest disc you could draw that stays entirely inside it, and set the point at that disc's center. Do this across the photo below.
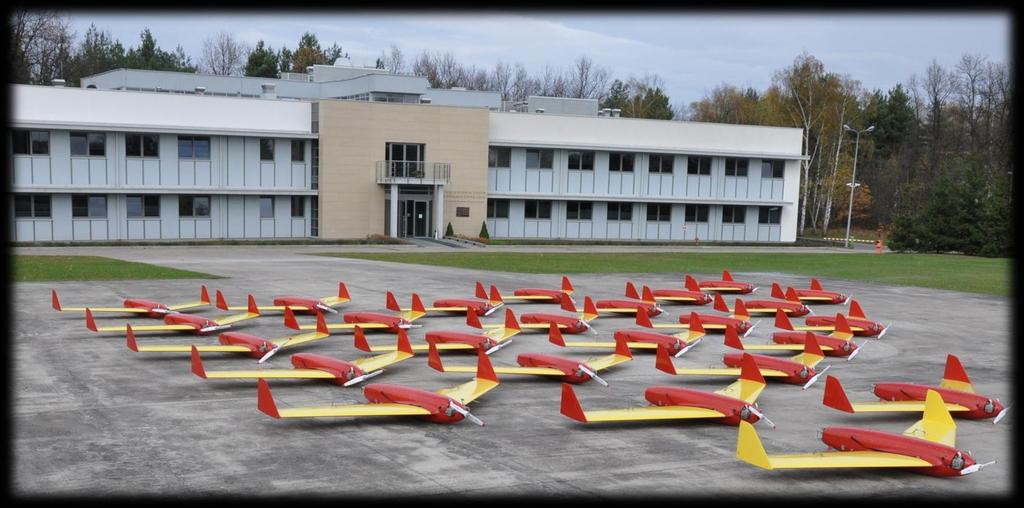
(726, 275)
(622, 347)
(484, 370)
(253, 309)
(955, 370)
(204, 295)
(265, 399)
(555, 335)
(360, 340)
(749, 369)
(433, 359)
(510, 320)
(289, 319)
(835, 396)
(472, 319)
(343, 291)
(403, 342)
(221, 303)
(856, 311)
(631, 291)
(648, 296)
(782, 320)
(842, 325)
(695, 324)
(321, 324)
(567, 304)
(791, 295)
(417, 304)
(480, 293)
(720, 305)
(392, 304)
(589, 307)
(571, 405)
(643, 318)
(197, 363)
(566, 285)
(130, 338)
(54, 301)
(811, 346)
(815, 285)
(740, 310)
(663, 361)
(777, 291)
(495, 295)
(90, 323)
(691, 283)
(732, 339)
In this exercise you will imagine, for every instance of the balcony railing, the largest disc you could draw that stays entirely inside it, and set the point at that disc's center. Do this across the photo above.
(413, 172)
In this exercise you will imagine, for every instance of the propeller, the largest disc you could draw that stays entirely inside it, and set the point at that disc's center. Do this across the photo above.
(465, 414)
(406, 326)
(886, 329)
(688, 347)
(815, 377)
(760, 416)
(754, 290)
(272, 352)
(589, 328)
(857, 351)
(1000, 415)
(751, 328)
(846, 301)
(326, 308)
(497, 347)
(592, 374)
(809, 310)
(364, 377)
(975, 468)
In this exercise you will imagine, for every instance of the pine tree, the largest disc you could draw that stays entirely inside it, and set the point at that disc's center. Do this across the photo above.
(483, 231)
(262, 62)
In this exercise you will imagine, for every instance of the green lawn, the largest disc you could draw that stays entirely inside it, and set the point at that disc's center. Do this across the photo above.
(960, 273)
(61, 268)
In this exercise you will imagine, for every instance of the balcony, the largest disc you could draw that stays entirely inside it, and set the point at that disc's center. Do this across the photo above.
(413, 172)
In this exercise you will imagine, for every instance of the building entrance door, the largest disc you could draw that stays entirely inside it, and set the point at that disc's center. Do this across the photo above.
(414, 217)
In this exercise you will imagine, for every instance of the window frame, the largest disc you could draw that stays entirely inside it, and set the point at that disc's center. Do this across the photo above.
(540, 158)
(582, 157)
(622, 157)
(265, 199)
(659, 217)
(301, 145)
(145, 207)
(538, 206)
(692, 160)
(699, 211)
(732, 209)
(192, 213)
(75, 208)
(579, 210)
(737, 166)
(497, 152)
(301, 201)
(771, 165)
(764, 215)
(33, 207)
(29, 142)
(267, 144)
(662, 159)
(621, 206)
(192, 144)
(143, 153)
(493, 208)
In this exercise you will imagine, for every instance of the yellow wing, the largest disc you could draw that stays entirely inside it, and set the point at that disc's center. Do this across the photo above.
(609, 309)
(186, 348)
(650, 413)
(331, 301)
(422, 347)
(675, 298)
(145, 328)
(300, 338)
(535, 371)
(743, 389)
(806, 359)
(722, 289)
(707, 326)
(469, 391)
(227, 320)
(539, 326)
(600, 363)
(780, 347)
(596, 344)
(372, 409)
(188, 305)
(270, 374)
(105, 309)
(727, 371)
(269, 307)
(899, 406)
(821, 328)
(815, 298)
(936, 424)
(380, 361)
(750, 450)
(346, 326)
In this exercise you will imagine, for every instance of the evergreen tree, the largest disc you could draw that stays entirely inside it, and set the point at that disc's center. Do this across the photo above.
(148, 55)
(617, 96)
(262, 62)
(97, 53)
(483, 231)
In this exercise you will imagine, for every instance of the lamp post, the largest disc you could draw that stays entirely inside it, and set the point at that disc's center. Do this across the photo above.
(853, 177)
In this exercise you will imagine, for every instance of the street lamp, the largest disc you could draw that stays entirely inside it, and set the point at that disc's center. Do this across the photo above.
(853, 185)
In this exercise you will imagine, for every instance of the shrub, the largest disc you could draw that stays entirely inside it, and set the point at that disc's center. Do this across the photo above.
(483, 230)
(449, 231)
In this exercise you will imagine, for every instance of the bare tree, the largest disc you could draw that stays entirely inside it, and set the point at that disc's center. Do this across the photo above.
(40, 45)
(500, 80)
(449, 71)
(394, 60)
(523, 85)
(426, 65)
(553, 83)
(586, 80)
(223, 55)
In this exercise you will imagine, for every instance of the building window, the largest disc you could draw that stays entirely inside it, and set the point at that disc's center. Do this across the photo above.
(538, 209)
(298, 150)
(773, 168)
(193, 147)
(499, 157)
(266, 207)
(35, 206)
(659, 212)
(142, 145)
(193, 206)
(266, 149)
(620, 211)
(698, 165)
(298, 206)
(736, 167)
(583, 161)
(143, 206)
(696, 213)
(769, 215)
(540, 159)
(618, 161)
(314, 216)
(497, 208)
(92, 144)
(405, 159)
(579, 210)
(734, 214)
(661, 163)
(88, 206)
(31, 142)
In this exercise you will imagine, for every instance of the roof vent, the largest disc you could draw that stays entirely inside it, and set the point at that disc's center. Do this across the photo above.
(200, 90)
(461, 88)
(425, 100)
(58, 82)
(538, 110)
(616, 113)
(269, 91)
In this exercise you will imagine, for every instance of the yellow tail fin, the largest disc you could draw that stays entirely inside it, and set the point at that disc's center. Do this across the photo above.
(938, 424)
(749, 448)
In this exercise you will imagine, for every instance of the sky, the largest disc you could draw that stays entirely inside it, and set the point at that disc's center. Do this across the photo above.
(691, 52)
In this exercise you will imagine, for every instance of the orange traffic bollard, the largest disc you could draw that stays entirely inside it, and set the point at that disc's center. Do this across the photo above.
(878, 247)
